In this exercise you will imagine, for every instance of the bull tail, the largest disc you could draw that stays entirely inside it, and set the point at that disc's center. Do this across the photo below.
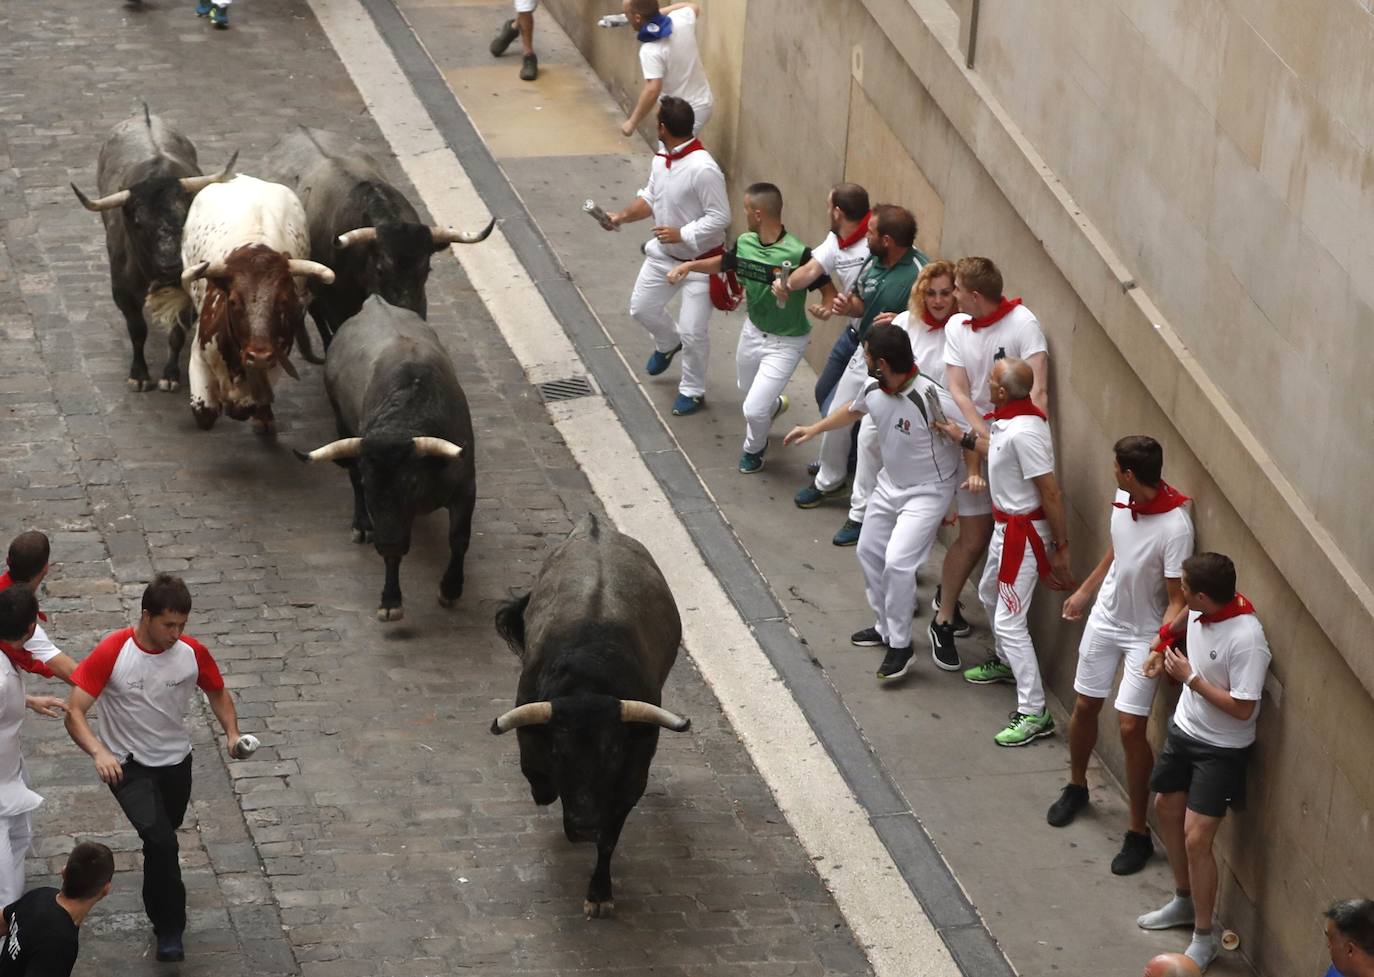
(168, 307)
(307, 350)
(510, 622)
(147, 117)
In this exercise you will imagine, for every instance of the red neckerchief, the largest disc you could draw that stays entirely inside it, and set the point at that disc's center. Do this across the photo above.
(22, 659)
(1237, 606)
(859, 232)
(1166, 499)
(926, 318)
(1020, 407)
(995, 316)
(681, 151)
(897, 389)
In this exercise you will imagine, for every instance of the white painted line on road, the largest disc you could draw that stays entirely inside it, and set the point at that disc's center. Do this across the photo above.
(830, 823)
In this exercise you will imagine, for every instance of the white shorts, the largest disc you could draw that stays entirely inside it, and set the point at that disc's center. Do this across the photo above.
(525, 6)
(968, 503)
(1100, 653)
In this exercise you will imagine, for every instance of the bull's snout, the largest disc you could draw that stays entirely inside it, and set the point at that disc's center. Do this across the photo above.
(259, 359)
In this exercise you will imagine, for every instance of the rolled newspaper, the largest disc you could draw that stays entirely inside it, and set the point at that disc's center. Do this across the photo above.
(780, 275)
(613, 20)
(245, 746)
(599, 215)
(1230, 941)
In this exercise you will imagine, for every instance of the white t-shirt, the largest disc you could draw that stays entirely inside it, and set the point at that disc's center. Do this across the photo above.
(1145, 551)
(841, 264)
(689, 195)
(675, 59)
(913, 452)
(1232, 655)
(15, 796)
(1017, 334)
(1019, 450)
(143, 695)
(928, 346)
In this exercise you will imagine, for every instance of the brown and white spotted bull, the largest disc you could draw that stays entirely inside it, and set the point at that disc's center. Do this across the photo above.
(245, 251)
(146, 176)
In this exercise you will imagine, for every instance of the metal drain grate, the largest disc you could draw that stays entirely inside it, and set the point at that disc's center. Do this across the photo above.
(568, 388)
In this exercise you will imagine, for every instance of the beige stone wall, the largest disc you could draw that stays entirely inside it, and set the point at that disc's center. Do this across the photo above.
(1175, 190)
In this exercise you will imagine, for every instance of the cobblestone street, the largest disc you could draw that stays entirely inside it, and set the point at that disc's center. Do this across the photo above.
(380, 829)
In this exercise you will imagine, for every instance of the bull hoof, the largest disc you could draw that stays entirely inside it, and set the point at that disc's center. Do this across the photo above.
(361, 536)
(139, 385)
(264, 428)
(205, 417)
(447, 601)
(169, 386)
(598, 910)
(385, 614)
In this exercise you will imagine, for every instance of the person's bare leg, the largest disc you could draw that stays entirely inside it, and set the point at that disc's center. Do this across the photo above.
(525, 21)
(1199, 832)
(962, 556)
(1171, 809)
(1083, 738)
(1140, 760)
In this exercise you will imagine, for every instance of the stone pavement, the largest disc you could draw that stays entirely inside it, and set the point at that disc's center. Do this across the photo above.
(381, 829)
(1046, 894)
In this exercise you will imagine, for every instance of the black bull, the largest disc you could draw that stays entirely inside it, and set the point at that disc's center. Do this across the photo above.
(146, 176)
(360, 226)
(597, 636)
(405, 436)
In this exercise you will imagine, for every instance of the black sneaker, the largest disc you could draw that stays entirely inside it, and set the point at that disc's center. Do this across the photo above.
(1135, 852)
(896, 664)
(510, 30)
(942, 647)
(962, 629)
(867, 638)
(169, 948)
(1072, 799)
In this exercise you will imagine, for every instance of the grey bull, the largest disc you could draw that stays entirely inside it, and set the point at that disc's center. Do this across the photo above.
(405, 436)
(147, 175)
(597, 636)
(360, 225)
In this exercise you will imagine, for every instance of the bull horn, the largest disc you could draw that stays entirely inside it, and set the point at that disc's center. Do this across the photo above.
(340, 450)
(195, 184)
(112, 202)
(634, 711)
(447, 235)
(436, 448)
(530, 714)
(289, 368)
(310, 269)
(359, 235)
(194, 273)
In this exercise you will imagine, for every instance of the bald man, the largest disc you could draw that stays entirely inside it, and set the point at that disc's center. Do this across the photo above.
(1171, 965)
(1030, 540)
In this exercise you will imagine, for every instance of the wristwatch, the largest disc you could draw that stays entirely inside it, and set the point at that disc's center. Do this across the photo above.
(969, 441)
(1058, 544)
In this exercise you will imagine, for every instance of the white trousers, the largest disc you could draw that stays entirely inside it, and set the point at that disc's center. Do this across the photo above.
(834, 456)
(701, 116)
(16, 835)
(1009, 627)
(649, 307)
(896, 539)
(763, 365)
(869, 464)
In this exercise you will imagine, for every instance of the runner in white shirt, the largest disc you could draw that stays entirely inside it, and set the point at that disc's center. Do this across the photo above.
(27, 565)
(1139, 576)
(988, 328)
(18, 618)
(145, 678)
(915, 488)
(1031, 540)
(669, 59)
(687, 201)
(1201, 769)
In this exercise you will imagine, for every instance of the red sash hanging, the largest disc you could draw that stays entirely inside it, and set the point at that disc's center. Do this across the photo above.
(1020, 531)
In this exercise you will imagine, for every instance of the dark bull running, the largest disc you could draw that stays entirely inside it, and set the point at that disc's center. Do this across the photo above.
(146, 176)
(405, 436)
(597, 637)
(360, 225)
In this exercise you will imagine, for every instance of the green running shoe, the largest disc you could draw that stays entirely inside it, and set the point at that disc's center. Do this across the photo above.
(1023, 729)
(992, 670)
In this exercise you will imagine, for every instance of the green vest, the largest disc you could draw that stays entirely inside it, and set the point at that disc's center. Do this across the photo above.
(885, 289)
(754, 265)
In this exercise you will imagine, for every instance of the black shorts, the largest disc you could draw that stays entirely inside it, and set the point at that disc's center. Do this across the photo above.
(1213, 776)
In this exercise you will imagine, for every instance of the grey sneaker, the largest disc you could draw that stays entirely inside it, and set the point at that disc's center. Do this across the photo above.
(529, 68)
(510, 30)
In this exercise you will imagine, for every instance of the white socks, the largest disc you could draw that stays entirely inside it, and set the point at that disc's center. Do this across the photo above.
(1203, 950)
(1178, 911)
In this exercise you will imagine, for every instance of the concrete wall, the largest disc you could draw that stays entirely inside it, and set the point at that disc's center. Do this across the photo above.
(1174, 190)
